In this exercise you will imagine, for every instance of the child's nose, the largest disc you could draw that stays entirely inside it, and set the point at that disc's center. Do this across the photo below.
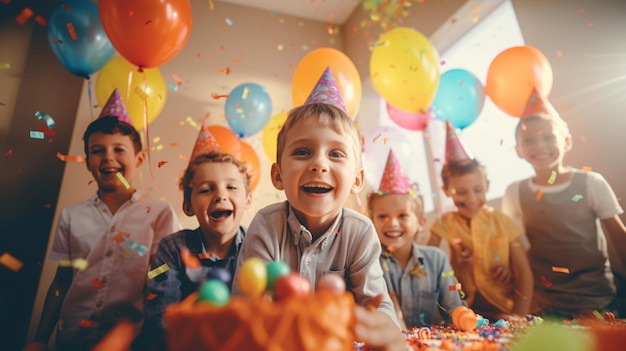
(318, 165)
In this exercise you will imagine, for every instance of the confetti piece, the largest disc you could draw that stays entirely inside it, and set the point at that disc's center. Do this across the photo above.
(42, 21)
(192, 123)
(586, 169)
(36, 135)
(47, 131)
(97, 283)
(552, 177)
(211, 5)
(577, 197)
(244, 94)
(24, 15)
(447, 274)
(108, 198)
(70, 158)
(172, 86)
(140, 249)
(5, 65)
(11, 262)
(120, 176)
(539, 196)
(224, 70)
(188, 259)
(142, 94)
(79, 263)
(118, 237)
(72, 31)
(217, 97)
(161, 164)
(545, 281)
(454, 287)
(560, 269)
(178, 81)
(151, 297)
(598, 315)
(496, 257)
(85, 323)
(158, 271)
(229, 22)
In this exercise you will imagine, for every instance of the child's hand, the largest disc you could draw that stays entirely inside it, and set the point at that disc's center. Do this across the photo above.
(501, 274)
(377, 331)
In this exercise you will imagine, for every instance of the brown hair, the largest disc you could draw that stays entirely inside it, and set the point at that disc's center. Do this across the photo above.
(184, 183)
(460, 168)
(112, 125)
(329, 116)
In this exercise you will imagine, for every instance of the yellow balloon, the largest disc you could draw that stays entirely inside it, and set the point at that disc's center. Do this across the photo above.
(270, 134)
(252, 277)
(404, 67)
(146, 91)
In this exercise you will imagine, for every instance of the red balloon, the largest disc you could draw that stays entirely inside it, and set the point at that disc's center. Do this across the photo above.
(409, 120)
(513, 74)
(146, 33)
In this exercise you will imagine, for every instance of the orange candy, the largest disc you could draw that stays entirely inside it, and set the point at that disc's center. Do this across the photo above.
(464, 318)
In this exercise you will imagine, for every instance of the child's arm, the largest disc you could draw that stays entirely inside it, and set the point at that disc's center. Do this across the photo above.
(377, 330)
(616, 233)
(522, 278)
(52, 307)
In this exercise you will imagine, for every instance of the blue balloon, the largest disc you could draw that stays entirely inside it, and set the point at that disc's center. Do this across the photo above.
(77, 38)
(460, 98)
(248, 109)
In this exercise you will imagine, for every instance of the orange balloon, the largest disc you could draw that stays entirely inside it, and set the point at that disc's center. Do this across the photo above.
(249, 156)
(146, 33)
(227, 140)
(310, 70)
(513, 74)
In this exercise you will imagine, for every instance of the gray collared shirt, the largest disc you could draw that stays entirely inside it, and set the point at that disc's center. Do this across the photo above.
(350, 248)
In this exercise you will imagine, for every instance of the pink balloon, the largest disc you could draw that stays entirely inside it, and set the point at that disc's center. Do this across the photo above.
(409, 120)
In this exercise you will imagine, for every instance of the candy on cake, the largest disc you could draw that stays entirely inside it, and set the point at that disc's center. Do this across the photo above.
(285, 316)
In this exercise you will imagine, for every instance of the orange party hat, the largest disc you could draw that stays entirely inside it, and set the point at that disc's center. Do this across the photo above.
(455, 151)
(394, 180)
(204, 143)
(326, 91)
(115, 107)
(537, 104)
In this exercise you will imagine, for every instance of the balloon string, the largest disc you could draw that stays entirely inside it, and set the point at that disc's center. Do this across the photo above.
(89, 96)
(145, 124)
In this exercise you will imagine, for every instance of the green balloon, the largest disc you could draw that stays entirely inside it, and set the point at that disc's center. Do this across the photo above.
(214, 292)
(554, 338)
(275, 269)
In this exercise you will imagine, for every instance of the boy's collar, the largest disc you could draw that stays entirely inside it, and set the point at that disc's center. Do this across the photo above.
(300, 232)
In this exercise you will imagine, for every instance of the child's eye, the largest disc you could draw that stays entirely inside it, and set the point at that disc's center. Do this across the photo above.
(96, 151)
(205, 190)
(382, 217)
(232, 187)
(301, 152)
(336, 153)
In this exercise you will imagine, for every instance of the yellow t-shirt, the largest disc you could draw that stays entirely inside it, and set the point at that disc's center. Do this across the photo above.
(489, 237)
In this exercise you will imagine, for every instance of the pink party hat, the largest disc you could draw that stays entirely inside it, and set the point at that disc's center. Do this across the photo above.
(394, 180)
(537, 104)
(204, 143)
(115, 107)
(455, 151)
(326, 91)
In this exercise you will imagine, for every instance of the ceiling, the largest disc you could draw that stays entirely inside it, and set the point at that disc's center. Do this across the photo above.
(329, 11)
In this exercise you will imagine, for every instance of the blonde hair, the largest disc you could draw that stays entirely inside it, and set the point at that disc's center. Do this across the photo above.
(329, 116)
(554, 119)
(414, 196)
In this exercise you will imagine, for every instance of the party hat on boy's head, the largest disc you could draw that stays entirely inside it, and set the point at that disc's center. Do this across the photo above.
(455, 151)
(204, 143)
(394, 180)
(115, 107)
(537, 104)
(326, 91)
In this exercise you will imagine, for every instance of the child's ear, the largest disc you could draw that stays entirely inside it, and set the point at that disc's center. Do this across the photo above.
(140, 157)
(187, 208)
(277, 178)
(358, 181)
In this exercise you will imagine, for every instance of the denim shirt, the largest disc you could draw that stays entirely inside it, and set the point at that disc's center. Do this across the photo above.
(180, 281)
(423, 287)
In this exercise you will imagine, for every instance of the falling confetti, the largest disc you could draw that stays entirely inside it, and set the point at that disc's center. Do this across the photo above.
(577, 197)
(560, 269)
(49, 121)
(70, 158)
(552, 178)
(120, 176)
(158, 271)
(79, 263)
(11, 262)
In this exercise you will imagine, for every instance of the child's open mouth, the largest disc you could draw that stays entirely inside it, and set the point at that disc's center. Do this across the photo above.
(316, 188)
(221, 214)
